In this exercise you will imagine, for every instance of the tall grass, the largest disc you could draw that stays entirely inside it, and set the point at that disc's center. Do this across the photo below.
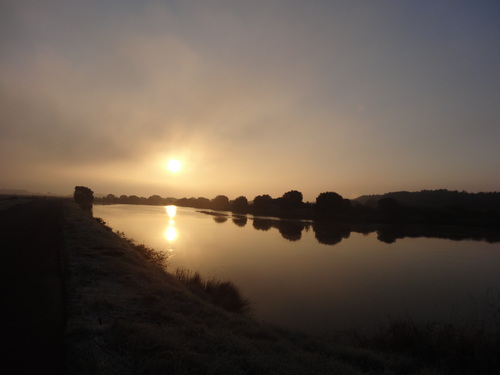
(224, 294)
(159, 258)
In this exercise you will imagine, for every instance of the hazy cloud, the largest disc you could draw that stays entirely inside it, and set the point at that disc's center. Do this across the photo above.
(388, 94)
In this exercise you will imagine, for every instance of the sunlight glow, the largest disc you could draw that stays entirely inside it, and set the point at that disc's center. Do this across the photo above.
(171, 211)
(171, 233)
(174, 165)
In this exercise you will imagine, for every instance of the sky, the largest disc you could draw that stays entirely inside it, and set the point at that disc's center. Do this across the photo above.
(253, 97)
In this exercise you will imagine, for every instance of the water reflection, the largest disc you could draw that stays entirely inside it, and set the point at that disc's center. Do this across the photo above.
(171, 232)
(342, 277)
(240, 220)
(332, 233)
(171, 211)
(291, 230)
(220, 219)
(262, 224)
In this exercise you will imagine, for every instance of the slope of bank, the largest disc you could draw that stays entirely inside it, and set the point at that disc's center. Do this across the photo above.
(128, 316)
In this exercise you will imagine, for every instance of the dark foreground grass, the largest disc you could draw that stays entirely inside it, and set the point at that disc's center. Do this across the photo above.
(446, 348)
(127, 315)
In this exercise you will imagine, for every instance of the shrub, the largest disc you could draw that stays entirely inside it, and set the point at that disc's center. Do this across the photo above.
(84, 197)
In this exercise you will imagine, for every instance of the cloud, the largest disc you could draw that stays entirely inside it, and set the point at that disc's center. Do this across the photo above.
(246, 89)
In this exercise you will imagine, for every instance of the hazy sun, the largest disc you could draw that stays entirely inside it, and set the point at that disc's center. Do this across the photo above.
(174, 165)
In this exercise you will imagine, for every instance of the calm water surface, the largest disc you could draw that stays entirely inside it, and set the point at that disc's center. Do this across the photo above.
(295, 281)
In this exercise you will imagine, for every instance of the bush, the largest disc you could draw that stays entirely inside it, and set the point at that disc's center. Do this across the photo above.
(84, 197)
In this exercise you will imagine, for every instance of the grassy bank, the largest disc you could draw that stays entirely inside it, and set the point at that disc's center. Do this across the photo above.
(126, 315)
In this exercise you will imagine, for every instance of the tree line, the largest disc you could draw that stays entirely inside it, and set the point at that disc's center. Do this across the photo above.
(423, 207)
(290, 203)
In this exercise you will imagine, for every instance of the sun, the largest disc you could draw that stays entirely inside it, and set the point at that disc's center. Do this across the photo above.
(174, 165)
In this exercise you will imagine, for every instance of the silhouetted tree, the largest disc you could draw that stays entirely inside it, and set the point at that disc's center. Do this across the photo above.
(291, 200)
(84, 197)
(331, 203)
(388, 205)
(262, 202)
(183, 202)
(240, 204)
(110, 197)
(155, 200)
(220, 202)
(202, 202)
(390, 209)
(134, 199)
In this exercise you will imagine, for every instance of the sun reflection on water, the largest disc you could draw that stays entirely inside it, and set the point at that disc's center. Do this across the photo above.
(171, 231)
(171, 211)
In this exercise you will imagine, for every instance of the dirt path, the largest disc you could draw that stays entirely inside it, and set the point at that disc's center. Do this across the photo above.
(31, 288)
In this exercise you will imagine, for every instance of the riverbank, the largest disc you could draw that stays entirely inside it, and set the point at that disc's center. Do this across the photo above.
(126, 315)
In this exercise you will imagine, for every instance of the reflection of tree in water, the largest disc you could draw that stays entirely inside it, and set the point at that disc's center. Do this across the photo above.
(220, 219)
(290, 230)
(390, 233)
(331, 234)
(262, 224)
(240, 221)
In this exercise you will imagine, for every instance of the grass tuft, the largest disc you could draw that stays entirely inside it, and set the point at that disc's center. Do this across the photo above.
(156, 257)
(224, 294)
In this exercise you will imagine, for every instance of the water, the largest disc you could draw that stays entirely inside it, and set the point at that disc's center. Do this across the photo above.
(295, 281)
